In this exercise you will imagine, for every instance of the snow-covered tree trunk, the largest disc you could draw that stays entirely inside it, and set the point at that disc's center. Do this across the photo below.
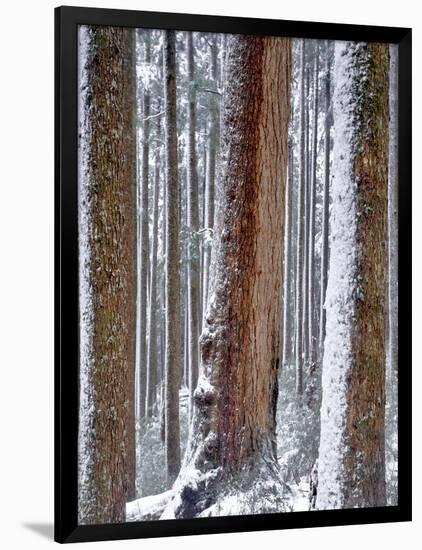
(307, 217)
(172, 374)
(144, 227)
(152, 318)
(312, 209)
(287, 305)
(193, 225)
(212, 169)
(393, 214)
(325, 204)
(107, 229)
(233, 440)
(351, 454)
(300, 225)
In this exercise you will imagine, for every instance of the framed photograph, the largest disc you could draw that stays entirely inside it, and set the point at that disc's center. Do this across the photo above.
(233, 274)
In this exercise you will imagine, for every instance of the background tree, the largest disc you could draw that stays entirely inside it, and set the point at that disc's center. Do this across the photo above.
(172, 429)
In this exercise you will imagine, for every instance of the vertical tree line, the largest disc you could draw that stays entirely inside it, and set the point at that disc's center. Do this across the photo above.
(238, 228)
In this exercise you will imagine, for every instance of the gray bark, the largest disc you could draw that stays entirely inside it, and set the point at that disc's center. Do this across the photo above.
(193, 225)
(172, 428)
(300, 226)
(325, 206)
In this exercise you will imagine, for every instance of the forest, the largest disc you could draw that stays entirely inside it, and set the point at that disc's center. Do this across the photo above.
(237, 274)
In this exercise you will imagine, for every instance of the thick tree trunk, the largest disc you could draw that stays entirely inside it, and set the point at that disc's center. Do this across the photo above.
(325, 206)
(193, 224)
(172, 429)
(107, 191)
(144, 248)
(233, 438)
(351, 455)
(300, 226)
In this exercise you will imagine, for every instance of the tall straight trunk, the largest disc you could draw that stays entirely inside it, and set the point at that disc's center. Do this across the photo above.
(152, 318)
(312, 208)
(300, 226)
(163, 309)
(325, 205)
(287, 305)
(144, 226)
(193, 224)
(351, 454)
(107, 225)
(212, 169)
(233, 431)
(392, 215)
(172, 428)
(307, 215)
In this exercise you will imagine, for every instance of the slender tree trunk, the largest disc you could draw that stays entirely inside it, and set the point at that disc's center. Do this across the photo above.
(307, 215)
(233, 433)
(392, 214)
(300, 226)
(172, 429)
(287, 305)
(193, 224)
(152, 321)
(312, 207)
(212, 169)
(144, 259)
(351, 454)
(325, 205)
(107, 187)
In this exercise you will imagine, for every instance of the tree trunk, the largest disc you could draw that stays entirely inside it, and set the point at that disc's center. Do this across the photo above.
(312, 208)
(193, 224)
(212, 170)
(233, 440)
(300, 226)
(325, 206)
(107, 222)
(307, 215)
(287, 305)
(172, 429)
(351, 454)
(144, 259)
(152, 321)
(393, 214)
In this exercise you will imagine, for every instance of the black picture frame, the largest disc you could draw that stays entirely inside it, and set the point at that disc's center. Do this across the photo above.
(67, 20)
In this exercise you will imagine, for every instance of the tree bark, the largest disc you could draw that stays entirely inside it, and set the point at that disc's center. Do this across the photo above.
(233, 438)
(212, 169)
(172, 428)
(152, 321)
(325, 205)
(287, 305)
(193, 224)
(144, 226)
(352, 461)
(107, 222)
(300, 226)
(312, 208)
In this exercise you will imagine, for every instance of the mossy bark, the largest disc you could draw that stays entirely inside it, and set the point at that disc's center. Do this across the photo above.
(235, 402)
(364, 461)
(110, 180)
